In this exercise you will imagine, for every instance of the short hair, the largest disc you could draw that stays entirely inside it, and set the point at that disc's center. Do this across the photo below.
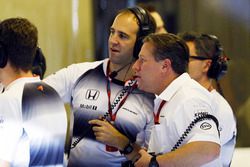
(19, 37)
(170, 46)
(205, 45)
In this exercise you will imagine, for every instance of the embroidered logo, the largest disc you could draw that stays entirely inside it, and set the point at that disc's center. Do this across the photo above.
(205, 126)
(92, 94)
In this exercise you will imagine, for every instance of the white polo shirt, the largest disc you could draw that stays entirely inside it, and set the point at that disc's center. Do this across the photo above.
(186, 100)
(14, 147)
(227, 127)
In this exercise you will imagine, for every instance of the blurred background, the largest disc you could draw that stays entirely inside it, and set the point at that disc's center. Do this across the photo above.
(73, 31)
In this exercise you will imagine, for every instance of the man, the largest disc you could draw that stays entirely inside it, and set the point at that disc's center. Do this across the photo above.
(179, 137)
(29, 136)
(104, 88)
(208, 62)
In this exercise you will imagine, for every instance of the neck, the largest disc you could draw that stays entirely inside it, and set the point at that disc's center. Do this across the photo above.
(11, 74)
(206, 83)
(165, 82)
(124, 71)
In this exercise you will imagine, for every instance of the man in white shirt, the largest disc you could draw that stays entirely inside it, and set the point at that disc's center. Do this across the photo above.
(208, 62)
(29, 134)
(107, 88)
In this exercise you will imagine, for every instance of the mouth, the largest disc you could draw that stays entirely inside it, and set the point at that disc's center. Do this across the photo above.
(114, 50)
(136, 77)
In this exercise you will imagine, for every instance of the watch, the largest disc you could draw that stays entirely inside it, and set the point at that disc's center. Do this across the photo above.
(153, 162)
(127, 149)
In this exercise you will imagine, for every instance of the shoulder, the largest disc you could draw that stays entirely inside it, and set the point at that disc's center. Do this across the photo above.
(10, 102)
(80, 68)
(71, 73)
(222, 107)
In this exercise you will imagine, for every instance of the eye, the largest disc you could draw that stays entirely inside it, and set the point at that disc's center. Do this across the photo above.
(123, 36)
(111, 31)
(141, 60)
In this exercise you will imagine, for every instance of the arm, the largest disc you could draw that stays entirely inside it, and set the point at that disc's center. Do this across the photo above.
(106, 133)
(192, 154)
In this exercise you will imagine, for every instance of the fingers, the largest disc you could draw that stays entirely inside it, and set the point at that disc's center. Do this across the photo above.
(96, 122)
(142, 151)
(144, 159)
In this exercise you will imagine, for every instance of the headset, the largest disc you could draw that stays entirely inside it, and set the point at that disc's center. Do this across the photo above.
(3, 56)
(146, 26)
(219, 64)
(39, 63)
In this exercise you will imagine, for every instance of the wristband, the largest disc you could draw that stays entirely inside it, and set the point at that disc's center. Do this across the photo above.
(153, 162)
(127, 149)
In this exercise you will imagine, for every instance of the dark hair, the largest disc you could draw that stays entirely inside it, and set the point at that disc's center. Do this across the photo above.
(205, 45)
(170, 46)
(18, 38)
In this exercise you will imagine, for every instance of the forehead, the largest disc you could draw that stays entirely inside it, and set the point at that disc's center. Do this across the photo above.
(147, 50)
(126, 23)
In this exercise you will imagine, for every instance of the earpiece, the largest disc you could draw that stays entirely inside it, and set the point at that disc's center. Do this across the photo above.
(3, 56)
(218, 66)
(146, 26)
(39, 63)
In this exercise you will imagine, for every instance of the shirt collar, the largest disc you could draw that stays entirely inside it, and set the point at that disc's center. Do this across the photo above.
(23, 79)
(174, 86)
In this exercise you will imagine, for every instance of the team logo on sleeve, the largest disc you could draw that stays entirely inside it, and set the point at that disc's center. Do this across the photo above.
(92, 94)
(205, 126)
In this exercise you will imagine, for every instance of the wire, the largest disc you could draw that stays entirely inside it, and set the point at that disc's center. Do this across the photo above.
(191, 125)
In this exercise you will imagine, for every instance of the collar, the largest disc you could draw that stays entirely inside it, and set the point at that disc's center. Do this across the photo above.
(22, 80)
(174, 86)
(105, 65)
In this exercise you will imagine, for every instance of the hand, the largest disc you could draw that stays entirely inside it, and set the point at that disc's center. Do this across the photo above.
(106, 133)
(144, 159)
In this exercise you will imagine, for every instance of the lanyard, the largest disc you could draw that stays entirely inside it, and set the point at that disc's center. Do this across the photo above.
(157, 115)
(120, 101)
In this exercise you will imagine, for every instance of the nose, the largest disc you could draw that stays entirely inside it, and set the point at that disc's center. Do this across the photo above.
(113, 39)
(136, 66)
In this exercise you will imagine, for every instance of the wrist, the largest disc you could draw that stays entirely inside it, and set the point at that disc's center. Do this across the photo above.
(122, 142)
(127, 149)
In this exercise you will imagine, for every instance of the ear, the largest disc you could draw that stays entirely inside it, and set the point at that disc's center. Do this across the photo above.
(206, 65)
(166, 65)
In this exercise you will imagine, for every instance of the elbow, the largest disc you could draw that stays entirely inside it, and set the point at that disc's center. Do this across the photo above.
(214, 152)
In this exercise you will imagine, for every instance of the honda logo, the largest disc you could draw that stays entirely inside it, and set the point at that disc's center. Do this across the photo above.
(92, 94)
